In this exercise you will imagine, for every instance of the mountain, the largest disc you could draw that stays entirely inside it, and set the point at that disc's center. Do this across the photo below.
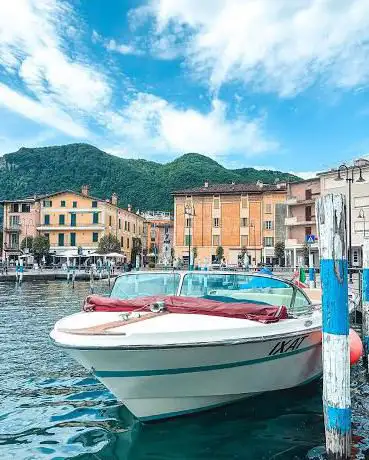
(144, 184)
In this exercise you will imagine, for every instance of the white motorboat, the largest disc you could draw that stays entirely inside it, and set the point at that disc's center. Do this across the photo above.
(172, 343)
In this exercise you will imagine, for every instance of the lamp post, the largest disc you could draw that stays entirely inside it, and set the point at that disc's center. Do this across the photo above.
(190, 213)
(252, 225)
(349, 179)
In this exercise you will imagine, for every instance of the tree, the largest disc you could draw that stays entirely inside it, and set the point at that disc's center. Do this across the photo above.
(305, 251)
(40, 246)
(27, 242)
(109, 243)
(219, 253)
(279, 248)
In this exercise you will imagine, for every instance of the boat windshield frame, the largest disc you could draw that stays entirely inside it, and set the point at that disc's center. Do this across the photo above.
(182, 275)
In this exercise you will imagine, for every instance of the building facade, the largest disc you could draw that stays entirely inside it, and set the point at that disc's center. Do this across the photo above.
(241, 218)
(20, 220)
(331, 182)
(157, 242)
(73, 220)
(301, 222)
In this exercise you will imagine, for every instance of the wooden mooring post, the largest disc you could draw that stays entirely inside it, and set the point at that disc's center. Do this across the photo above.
(331, 223)
(365, 299)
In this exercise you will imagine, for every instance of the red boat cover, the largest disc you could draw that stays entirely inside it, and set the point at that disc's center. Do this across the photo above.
(190, 305)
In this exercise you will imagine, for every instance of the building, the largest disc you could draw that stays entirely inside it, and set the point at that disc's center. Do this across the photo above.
(157, 241)
(238, 217)
(72, 220)
(301, 223)
(332, 182)
(20, 220)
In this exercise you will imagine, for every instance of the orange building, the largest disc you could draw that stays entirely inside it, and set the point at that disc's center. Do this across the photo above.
(237, 217)
(70, 220)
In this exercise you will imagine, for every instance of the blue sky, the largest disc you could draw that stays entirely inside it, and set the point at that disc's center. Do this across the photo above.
(264, 83)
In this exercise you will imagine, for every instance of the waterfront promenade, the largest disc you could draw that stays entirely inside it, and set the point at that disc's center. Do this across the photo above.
(50, 274)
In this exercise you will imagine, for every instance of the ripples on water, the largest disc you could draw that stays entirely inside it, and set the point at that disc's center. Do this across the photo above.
(51, 408)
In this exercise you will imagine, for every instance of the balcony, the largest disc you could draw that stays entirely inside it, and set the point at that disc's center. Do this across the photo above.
(294, 201)
(291, 200)
(61, 228)
(291, 242)
(292, 221)
(12, 228)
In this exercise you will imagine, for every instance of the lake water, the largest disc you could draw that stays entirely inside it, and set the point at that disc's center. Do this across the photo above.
(51, 408)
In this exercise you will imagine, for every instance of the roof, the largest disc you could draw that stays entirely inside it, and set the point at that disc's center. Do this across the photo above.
(212, 189)
(21, 200)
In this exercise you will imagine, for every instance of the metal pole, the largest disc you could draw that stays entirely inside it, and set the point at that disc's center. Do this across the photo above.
(331, 224)
(365, 298)
(311, 270)
(350, 248)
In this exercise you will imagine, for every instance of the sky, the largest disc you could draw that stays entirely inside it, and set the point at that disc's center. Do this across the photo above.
(265, 83)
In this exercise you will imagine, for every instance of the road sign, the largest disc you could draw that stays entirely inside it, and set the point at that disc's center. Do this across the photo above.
(310, 239)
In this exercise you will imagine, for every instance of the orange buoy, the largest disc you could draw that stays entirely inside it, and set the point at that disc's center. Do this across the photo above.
(356, 347)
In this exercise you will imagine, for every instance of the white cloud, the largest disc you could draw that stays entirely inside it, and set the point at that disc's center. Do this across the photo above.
(33, 47)
(122, 48)
(152, 124)
(273, 45)
(305, 174)
(35, 111)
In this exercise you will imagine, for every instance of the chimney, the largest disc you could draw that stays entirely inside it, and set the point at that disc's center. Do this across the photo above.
(85, 190)
(114, 199)
(206, 185)
(129, 208)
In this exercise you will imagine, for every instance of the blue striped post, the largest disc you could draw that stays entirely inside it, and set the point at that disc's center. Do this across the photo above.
(311, 272)
(365, 308)
(331, 223)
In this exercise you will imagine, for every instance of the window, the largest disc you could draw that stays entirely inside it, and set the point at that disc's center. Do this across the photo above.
(268, 208)
(73, 239)
(188, 240)
(14, 207)
(308, 213)
(94, 204)
(188, 222)
(110, 221)
(61, 219)
(268, 241)
(216, 240)
(47, 235)
(95, 218)
(125, 225)
(119, 223)
(308, 194)
(46, 219)
(26, 208)
(73, 220)
(62, 204)
(129, 226)
(95, 237)
(14, 221)
(244, 241)
(127, 243)
(121, 242)
(166, 229)
(268, 225)
(74, 204)
(47, 203)
(243, 202)
(216, 203)
(216, 222)
(243, 221)
(61, 239)
(134, 228)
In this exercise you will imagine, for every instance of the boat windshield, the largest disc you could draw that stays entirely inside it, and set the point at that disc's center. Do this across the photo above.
(131, 286)
(242, 288)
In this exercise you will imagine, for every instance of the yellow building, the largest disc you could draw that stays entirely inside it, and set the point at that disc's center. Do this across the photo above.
(71, 220)
(237, 217)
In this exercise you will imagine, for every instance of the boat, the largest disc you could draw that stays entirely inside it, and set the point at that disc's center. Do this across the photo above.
(172, 343)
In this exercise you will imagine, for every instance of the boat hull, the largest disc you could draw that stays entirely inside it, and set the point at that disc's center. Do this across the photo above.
(157, 383)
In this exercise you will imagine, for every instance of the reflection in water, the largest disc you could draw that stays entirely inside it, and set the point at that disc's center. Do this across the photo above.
(51, 408)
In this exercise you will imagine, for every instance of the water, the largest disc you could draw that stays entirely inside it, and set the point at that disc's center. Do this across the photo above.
(51, 408)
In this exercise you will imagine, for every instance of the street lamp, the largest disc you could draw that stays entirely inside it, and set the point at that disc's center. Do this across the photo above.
(26, 222)
(252, 225)
(349, 180)
(190, 212)
(362, 216)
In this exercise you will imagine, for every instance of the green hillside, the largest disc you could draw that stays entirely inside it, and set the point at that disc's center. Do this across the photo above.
(144, 184)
